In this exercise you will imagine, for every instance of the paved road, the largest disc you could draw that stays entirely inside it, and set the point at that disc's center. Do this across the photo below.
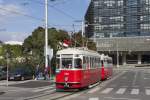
(25, 89)
(132, 84)
(126, 84)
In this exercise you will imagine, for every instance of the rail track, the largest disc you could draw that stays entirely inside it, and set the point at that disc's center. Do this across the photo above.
(59, 95)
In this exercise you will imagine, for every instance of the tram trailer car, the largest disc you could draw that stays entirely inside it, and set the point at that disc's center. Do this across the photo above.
(107, 67)
(77, 68)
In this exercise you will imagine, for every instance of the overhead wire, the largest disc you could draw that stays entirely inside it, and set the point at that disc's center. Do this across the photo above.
(23, 14)
(39, 19)
(60, 11)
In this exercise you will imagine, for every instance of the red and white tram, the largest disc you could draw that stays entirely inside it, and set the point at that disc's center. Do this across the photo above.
(107, 67)
(78, 68)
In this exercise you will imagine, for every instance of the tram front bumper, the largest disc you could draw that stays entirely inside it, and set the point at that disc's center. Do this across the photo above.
(62, 85)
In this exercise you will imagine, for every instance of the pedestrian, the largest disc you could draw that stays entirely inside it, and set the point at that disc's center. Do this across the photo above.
(37, 72)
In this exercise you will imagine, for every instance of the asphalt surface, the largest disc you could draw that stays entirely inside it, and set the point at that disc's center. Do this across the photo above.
(24, 89)
(126, 84)
(33, 84)
(132, 84)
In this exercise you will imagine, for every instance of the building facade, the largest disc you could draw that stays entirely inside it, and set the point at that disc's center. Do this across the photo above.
(120, 20)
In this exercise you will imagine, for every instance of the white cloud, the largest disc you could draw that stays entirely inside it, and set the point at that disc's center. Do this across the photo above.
(13, 36)
(9, 10)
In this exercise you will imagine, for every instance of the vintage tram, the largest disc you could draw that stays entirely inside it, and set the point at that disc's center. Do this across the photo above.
(78, 68)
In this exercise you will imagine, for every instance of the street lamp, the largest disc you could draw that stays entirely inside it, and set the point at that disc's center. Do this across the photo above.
(46, 35)
(117, 56)
(82, 29)
(7, 63)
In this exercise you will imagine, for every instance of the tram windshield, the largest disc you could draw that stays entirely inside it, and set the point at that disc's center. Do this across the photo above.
(67, 63)
(78, 63)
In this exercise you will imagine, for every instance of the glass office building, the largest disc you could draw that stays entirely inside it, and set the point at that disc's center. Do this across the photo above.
(118, 18)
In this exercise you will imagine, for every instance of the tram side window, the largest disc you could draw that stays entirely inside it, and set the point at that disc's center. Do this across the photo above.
(87, 63)
(102, 62)
(78, 63)
(105, 63)
(67, 63)
(57, 63)
(110, 62)
(84, 62)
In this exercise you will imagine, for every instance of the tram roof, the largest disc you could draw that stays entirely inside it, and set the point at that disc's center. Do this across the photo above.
(78, 51)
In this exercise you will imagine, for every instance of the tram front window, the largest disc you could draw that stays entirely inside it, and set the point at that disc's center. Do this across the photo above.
(67, 63)
(78, 63)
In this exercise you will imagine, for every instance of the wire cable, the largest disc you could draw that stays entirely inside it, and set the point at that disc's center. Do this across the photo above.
(58, 10)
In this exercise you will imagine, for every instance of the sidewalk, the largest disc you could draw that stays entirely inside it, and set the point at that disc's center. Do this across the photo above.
(4, 82)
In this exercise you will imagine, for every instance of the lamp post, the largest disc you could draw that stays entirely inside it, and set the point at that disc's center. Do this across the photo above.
(46, 35)
(117, 56)
(82, 29)
(7, 63)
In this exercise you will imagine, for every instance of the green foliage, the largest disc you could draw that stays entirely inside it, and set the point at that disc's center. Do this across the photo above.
(80, 41)
(33, 47)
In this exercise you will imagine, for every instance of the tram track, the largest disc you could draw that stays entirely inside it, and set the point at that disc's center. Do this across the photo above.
(66, 95)
(55, 95)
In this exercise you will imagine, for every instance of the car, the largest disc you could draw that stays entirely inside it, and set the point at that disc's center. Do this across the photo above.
(21, 74)
(3, 74)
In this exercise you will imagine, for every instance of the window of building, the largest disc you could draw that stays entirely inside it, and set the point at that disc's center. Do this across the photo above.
(120, 3)
(96, 3)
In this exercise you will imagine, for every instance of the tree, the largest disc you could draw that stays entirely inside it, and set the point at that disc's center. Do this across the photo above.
(80, 41)
(33, 45)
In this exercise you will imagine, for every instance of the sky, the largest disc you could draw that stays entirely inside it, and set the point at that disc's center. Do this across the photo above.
(19, 18)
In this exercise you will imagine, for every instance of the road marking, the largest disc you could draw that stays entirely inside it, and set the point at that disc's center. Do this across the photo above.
(124, 86)
(42, 89)
(94, 90)
(147, 91)
(107, 90)
(112, 98)
(147, 87)
(135, 77)
(146, 78)
(121, 91)
(96, 98)
(135, 91)
(136, 86)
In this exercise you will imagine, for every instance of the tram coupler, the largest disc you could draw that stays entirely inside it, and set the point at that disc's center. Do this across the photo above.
(66, 85)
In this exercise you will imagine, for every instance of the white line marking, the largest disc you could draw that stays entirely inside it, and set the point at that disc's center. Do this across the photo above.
(107, 90)
(96, 98)
(135, 91)
(135, 77)
(112, 98)
(146, 78)
(121, 91)
(136, 86)
(124, 86)
(42, 89)
(147, 91)
(94, 90)
(147, 87)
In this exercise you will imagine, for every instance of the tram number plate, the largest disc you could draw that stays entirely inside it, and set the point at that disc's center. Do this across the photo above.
(66, 74)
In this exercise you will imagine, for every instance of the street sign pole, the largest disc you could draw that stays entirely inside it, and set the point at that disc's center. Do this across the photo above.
(7, 60)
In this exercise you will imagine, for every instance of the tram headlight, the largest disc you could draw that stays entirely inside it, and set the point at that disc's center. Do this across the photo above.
(66, 78)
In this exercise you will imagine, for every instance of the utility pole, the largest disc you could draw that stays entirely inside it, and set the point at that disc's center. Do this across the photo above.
(117, 56)
(46, 36)
(7, 61)
(74, 34)
(82, 33)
